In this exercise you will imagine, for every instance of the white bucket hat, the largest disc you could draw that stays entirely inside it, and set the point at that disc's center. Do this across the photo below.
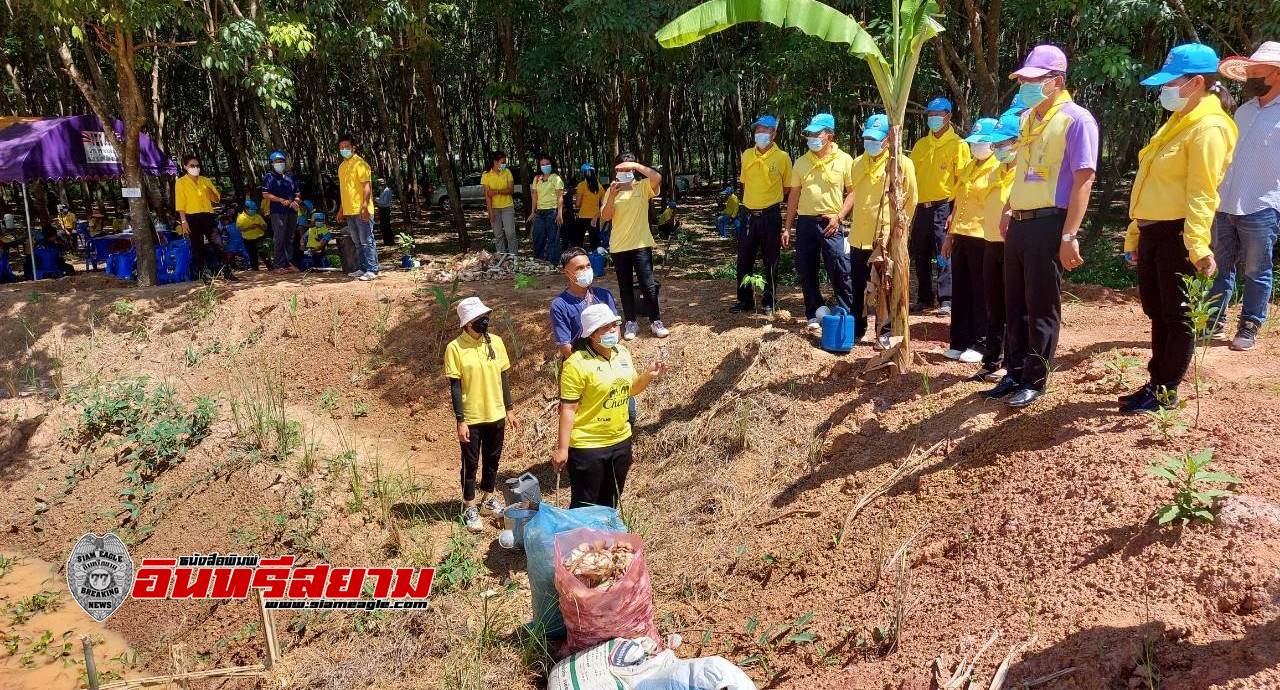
(469, 309)
(1234, 67)
(596, 316)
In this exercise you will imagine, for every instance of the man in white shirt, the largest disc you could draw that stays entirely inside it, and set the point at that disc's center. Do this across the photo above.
(1248, 217)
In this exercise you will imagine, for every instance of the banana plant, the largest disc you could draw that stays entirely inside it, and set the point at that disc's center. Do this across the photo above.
(914, 22)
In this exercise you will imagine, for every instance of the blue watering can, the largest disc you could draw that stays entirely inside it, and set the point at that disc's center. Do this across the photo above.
(838, 331)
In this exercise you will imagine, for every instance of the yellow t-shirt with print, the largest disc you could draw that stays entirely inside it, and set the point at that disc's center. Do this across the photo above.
(353, 173)
(822, 181)
(467, 358)
(251, 225)
(601, 388)
(631, 217)
(871, 212)
(191, 195)
(315, 236)
(588, 202)
(498, 180)
(763, 176)
(547, 186)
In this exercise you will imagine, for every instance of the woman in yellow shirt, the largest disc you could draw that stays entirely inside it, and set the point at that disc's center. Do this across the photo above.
(193, 199)
(586, 198)
(626, 205)
(595, 433)
(477, 367)
(1171, 207)
(547, 215)
(252, 227)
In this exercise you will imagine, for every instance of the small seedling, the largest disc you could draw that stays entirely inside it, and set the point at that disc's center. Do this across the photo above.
(524, 282)
(293, 315)
(1202, 308)
(1167, 418)
(1119, 365)
(360, 409)
(756, 282)
(405, 243)
(329, 399)
(1189, 475)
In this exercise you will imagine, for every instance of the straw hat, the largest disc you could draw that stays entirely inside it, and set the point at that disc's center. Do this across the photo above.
(1234, 67)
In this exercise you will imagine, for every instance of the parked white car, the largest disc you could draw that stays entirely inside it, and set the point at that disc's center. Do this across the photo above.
(471, 191)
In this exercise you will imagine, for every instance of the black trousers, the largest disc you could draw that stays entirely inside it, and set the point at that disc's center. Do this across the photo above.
(486, 444)
(859, 276)
(761, 234)
(597, 475)
(205, 255)
(283, 224)
(1162, 263)
(254, 247)
(968, 296)
(1033, 297)
(633, 266)
(993, 292)
(573, 232)
(384, 225)
(593, 237)
(811, 245)
(928, 229)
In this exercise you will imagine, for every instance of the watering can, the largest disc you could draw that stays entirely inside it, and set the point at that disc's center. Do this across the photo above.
(838, 330)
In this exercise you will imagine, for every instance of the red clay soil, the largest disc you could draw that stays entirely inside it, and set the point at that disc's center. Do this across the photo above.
(749, 456)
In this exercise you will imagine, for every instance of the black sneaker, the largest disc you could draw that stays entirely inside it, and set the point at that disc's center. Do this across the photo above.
(1144, 401)
(767, 311)
(739, 307)
(1128, 397)
(1246, 336)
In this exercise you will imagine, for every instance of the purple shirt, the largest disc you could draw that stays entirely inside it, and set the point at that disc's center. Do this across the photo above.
(1081, 152)
(566, 312)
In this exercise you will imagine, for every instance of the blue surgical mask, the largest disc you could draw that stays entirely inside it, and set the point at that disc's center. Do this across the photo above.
(546, 169)
(872, 147)
(278, 167)
(609, 339)
(1032, 93)
(814, 143)
(763, 139)
(936, 122)
(345, 153)
(1005, 154)
(502, 166)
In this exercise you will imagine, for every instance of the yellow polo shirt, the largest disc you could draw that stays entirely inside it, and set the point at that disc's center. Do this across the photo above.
(67, 221)
(547, 186)
(938, 159)
(467, 358)
(498, 180)
(601, 388)
(588, 202)
(353, 173)
(191, 195)
(871, 203)
(631, 217)
(982, 188)
(763, 176)
(251, 226)
(822, 181)
(1179, 171)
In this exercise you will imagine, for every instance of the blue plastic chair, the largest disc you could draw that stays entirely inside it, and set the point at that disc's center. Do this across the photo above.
(48, 262)
(122, 264)
(233, 242)
(6, 271)
(173, 262)
(91, 257)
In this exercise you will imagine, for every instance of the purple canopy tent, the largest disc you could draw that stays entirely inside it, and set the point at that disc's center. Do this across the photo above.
(67, 148)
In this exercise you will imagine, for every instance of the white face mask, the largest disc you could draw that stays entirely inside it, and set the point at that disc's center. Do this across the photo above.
(1171, 100)
(194, 171)
(626, 177)
(762, 139)
(814, 143)
(584, 277)
(981, 150)
(279, 167)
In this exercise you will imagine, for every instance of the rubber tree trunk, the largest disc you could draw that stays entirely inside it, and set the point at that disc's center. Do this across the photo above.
(134, 114)
(440, 141)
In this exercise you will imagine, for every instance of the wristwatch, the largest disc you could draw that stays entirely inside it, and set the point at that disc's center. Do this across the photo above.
(1068, 238)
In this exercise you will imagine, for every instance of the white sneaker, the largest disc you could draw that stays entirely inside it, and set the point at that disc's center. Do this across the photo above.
(659, 329)
(492, 506)
(368, 275)
(812, 327)
(952, 354)
(355, 274)
(970, 356)
(472, 519)
(629, 330)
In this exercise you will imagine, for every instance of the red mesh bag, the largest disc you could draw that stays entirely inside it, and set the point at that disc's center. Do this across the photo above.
(611, 596)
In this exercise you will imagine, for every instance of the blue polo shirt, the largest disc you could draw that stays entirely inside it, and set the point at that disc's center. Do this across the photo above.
(566, 312)
(281, 185)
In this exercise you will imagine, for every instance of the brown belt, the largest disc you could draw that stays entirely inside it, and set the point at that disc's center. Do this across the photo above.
(1034, 213)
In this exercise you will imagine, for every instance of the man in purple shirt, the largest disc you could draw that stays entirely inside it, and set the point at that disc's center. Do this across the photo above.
(1056, 161)
(566, 308)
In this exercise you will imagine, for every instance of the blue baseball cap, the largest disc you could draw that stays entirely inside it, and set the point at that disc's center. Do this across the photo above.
(984, 130)
(249, 205)
(587, 167)
(276, 156)
(1188, 58)
(1010, 127)
(766, 121)
(317, 216)
(1016, 106)
(876, 128)
(820, 122)
(938, 105)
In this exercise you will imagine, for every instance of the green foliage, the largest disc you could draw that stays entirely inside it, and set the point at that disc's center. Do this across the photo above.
(1118, 365)
(1167, 418)
(1202, 309)
(524, 282)
(1189, 476)
(8, 563)
(405, 243)
(460, 566)
(24, 608)
(261, 419)
(755, 281)
(763, 645)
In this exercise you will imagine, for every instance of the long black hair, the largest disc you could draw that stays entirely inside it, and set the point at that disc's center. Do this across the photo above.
(593, 180)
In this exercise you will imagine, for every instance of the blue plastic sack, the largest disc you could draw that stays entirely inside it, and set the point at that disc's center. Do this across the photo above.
(539, 548)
